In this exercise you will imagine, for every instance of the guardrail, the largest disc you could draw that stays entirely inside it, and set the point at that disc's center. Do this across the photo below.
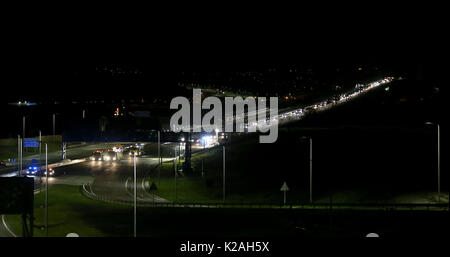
(87, 191)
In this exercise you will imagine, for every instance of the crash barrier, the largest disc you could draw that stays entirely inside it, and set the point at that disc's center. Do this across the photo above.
(86, 190)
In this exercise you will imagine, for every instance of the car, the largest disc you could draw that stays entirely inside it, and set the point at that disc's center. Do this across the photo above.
(97, 156)
(133, 151)
(2, 164)
(109, 156)
(51, 172)
(32, 170)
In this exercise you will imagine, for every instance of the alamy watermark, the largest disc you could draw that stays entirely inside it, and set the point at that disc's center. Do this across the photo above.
(256, 115)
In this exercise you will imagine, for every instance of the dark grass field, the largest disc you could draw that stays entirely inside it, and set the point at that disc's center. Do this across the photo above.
(69, 211)
(349, 165)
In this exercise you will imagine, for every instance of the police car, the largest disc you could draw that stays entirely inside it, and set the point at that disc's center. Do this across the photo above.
(33, 170)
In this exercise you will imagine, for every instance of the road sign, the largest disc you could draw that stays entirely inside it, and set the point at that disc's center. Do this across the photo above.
(284, 188)
(29, 142)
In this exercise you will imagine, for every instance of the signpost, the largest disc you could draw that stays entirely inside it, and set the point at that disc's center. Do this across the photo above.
(284, 188)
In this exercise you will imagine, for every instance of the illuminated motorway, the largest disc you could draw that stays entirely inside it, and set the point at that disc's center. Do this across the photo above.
(292, 114)
(113, 179)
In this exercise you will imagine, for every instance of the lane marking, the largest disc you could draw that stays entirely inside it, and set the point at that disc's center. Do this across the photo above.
(7, 227)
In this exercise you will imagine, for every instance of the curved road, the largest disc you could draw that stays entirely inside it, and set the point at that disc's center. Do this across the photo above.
(113, 180)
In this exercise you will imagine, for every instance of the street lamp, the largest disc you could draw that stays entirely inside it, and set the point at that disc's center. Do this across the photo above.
(134, 196)
(310, 167)
(223, 163)
(159, 158)
(176, 173)
(179, 153)
(438, 157)
(23, 127)
(54, 123)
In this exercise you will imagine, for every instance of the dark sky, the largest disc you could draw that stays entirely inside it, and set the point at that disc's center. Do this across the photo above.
(49, 57)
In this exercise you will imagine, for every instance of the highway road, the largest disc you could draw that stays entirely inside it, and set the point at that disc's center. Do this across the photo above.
(112, 179)
(287, 115)
(76, 152)
(108, 179)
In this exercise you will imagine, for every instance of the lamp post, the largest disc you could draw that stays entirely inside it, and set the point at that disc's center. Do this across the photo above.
(438, 158)
(159, 158)
(18, 155)
(134, 197)
(223, 162)
(179, 153)
(176, 175)
(310, 167)
(54, 123)
(23, 130)
(46, 191)
(23, 127)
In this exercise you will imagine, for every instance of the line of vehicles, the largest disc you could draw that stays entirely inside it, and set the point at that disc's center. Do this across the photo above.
(118, 152)
(35, 170)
